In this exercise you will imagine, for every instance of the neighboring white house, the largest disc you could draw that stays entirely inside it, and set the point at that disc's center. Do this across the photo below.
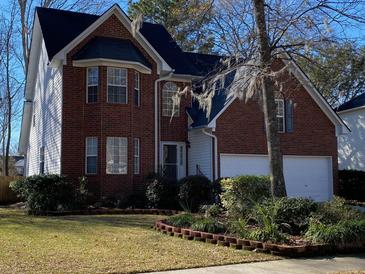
(351, 147)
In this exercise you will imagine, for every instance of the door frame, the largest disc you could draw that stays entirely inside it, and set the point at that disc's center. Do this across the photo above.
(181, 170)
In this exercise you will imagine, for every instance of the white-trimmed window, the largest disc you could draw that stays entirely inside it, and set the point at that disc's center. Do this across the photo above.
(41, 160)
(136, 156)
(137, 89)
(168, 91)
(117, 85)
(116, 155)
(91, 152)
(92, 84)
(280, 114)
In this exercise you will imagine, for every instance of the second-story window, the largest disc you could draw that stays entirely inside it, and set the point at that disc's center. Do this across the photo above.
(117, 85)
(92, 84)
(280, 114)
(168, 109)
(136, 93)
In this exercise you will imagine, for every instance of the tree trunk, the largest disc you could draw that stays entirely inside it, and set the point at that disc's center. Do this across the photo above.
(269, 107)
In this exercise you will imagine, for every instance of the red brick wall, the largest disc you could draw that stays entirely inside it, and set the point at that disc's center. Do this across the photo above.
(102, 119)
(240, 129)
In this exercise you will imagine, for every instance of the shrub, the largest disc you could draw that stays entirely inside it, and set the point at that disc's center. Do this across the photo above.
(181, 220)
(240, 194)
(347, 231)
(266, 215)
(239, 227)
(352, 184)
(194, 191)
(295, 212)
(161, 192)
(43, 193)
(336, 210)
(208, 225)
(211, 211)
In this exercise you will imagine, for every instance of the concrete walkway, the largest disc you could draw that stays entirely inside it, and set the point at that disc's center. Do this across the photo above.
(296, 266)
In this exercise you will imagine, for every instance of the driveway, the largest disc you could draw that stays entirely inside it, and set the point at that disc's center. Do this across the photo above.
(328, 264)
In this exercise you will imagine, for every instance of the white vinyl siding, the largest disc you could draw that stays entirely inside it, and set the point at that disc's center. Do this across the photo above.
(48, 118)
(168, 91)
(117, 155)
(200, 153)
(117, 85)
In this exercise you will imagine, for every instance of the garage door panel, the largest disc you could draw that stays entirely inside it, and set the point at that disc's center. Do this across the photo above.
(309, 177)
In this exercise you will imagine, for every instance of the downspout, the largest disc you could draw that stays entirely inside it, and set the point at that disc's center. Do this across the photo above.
(157, 111)
(215, 152)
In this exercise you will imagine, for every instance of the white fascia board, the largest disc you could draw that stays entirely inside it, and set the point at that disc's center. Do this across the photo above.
(185, 77)
(115, 9)
(350, 110)
(112, 63)
(25, 127)
(34, 55)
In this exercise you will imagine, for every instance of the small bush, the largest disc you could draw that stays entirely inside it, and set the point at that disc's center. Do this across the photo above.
(240, 227)
(194, 191)
(161, 192)
(240, 194)
(348, 231)
(208, 225)
(266, 215)
(211, 211)
(295, 212)
(43, 193)
(352, 184)
(181, 220)
(336, 210)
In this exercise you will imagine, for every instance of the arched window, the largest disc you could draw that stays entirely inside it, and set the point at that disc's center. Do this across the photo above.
(168, 91)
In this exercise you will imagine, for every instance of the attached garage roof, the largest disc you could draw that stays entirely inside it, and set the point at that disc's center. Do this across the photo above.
(111, 48)
(358, 101)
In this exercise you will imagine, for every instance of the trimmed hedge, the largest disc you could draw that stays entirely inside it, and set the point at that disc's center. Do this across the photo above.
(352, 184)
(43, 193)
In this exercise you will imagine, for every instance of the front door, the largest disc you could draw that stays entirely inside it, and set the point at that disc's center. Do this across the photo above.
(173, 160)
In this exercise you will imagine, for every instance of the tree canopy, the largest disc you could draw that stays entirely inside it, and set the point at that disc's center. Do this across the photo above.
(187, 21)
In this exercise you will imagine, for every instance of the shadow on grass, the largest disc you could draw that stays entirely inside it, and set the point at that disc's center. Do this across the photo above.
(75, 223)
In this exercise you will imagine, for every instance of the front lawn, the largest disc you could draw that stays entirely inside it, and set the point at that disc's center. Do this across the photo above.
(102, 243)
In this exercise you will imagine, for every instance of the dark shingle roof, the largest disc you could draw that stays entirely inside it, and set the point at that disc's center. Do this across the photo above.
(60, 27)
(111, 48)
(219, 101)
(165, 45)
(204, 63)
(356, 102)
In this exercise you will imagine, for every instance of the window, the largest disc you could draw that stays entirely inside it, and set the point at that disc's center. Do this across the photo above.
(91, 147)
(116, 155)
(117, 85)
(136, 152)
(41, 160)
(136, 93)
(92, 85)
(168, 91)
(280, 114)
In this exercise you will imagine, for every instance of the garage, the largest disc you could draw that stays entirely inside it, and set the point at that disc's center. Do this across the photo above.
(305, 176)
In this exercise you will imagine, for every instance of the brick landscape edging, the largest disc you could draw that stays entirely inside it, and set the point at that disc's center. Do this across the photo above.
(257, 246)
(111, 211)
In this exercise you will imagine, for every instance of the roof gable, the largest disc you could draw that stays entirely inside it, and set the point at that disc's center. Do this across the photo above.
(111, 48)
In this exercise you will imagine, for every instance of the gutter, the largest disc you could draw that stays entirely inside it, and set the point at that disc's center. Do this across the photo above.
(157, 120)
(215, 152)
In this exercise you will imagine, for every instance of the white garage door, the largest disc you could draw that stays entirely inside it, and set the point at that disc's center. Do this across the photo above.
(305, 176)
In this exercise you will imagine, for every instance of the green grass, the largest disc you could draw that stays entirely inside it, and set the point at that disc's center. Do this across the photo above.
(102, 243)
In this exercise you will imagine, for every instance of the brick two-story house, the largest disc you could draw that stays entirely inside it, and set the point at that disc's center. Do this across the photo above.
(98, 103)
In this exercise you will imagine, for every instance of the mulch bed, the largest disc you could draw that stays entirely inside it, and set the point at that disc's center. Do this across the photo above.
(300, 250)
